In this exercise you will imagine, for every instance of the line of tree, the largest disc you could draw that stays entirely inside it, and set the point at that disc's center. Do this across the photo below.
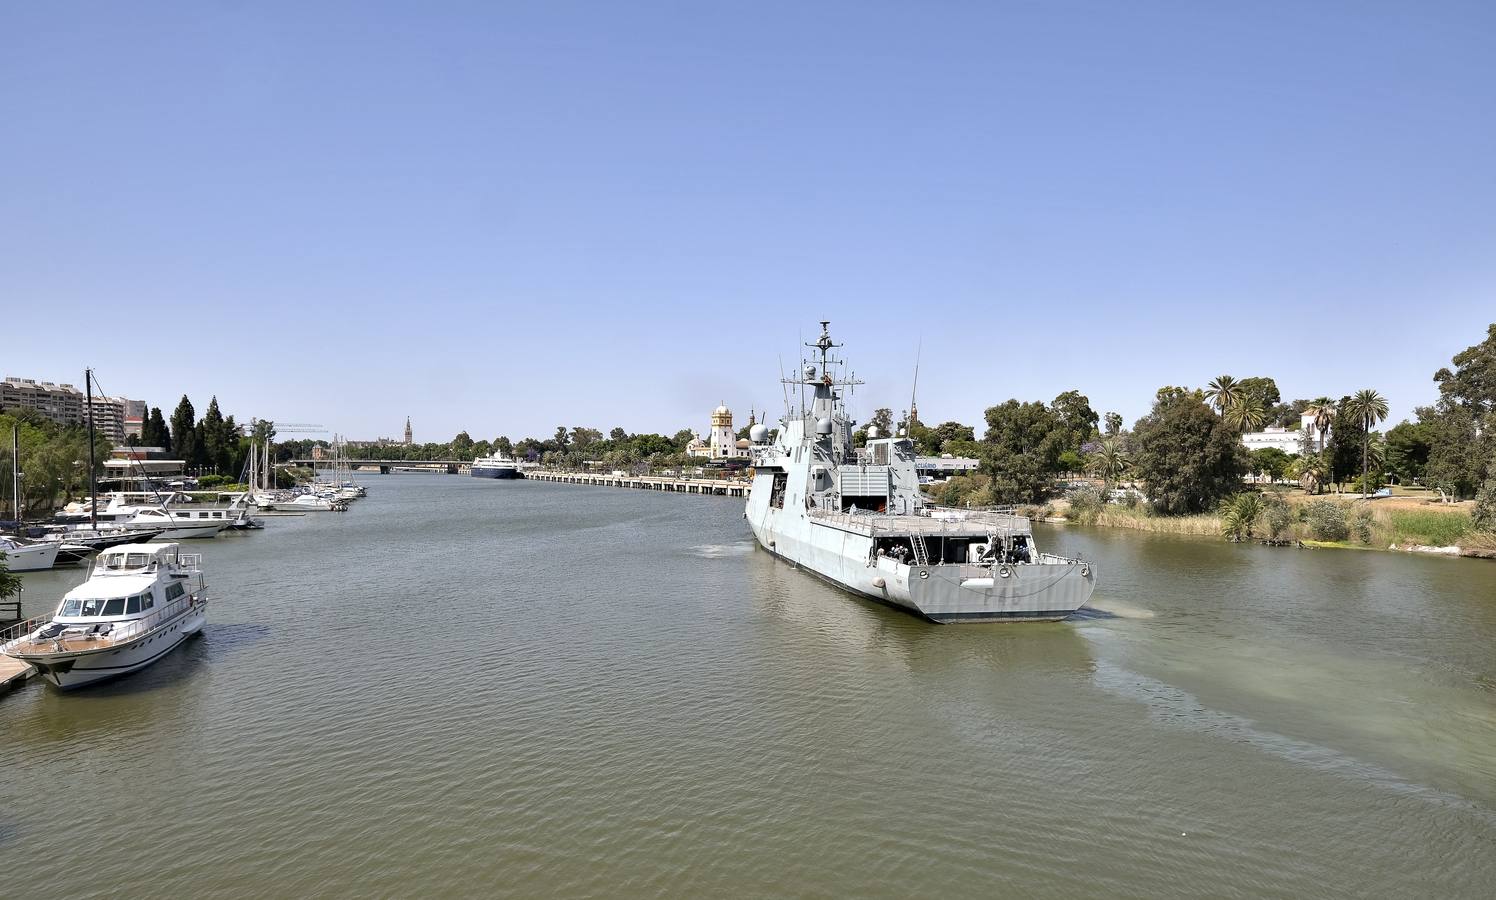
(53, 461)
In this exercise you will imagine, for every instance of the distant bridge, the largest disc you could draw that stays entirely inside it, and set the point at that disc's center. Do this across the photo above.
(385, 466)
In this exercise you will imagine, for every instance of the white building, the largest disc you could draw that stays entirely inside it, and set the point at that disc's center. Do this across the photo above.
(1282, 438)
(721, 442)
(66, 405)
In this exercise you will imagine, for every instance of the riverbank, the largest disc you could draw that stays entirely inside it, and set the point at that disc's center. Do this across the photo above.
(1400, 526)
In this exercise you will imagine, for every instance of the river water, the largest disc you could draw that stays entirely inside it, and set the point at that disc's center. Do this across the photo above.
(468, 687)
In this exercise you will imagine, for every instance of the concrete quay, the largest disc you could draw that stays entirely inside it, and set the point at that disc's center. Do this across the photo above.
(720, 487)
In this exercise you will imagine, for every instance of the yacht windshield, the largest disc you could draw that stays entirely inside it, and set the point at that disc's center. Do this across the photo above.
(70, 607)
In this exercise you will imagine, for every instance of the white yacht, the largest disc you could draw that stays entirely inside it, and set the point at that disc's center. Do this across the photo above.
(175, 523)
(314, 503)
(28, 557)
(139, 602)
(856, 517)
(496, 466)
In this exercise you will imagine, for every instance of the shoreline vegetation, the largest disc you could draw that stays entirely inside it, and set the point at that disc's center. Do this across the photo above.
(1404, 524)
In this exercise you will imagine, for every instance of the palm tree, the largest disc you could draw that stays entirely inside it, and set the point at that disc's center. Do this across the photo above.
(1110, 460)
(1224, 392)
(1245, 413)
(1323, 410)
(1366, 405)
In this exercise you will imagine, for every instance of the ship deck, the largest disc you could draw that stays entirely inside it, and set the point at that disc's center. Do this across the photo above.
(965, 523)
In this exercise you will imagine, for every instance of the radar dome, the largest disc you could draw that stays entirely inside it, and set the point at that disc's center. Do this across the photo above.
(872, 432)
(810, 371)
(823, 426)
(758, 434)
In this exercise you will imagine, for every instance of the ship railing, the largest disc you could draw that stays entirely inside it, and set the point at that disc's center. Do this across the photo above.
(83, 637)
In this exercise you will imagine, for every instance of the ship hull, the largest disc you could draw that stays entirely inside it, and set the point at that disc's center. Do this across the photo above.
(506, 473)
(940, 593)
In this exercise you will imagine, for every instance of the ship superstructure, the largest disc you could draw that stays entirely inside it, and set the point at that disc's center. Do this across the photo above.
(856, 516)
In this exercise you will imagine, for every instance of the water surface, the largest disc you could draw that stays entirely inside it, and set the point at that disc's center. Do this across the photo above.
(472, 687)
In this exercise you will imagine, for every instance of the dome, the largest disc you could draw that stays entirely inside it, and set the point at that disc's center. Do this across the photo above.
(722, 411)
(758, 434)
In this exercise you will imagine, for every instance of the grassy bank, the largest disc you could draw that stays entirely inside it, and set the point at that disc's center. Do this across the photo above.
(1381, 527)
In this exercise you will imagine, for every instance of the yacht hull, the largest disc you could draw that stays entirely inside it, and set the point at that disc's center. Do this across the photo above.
(500, 472)
(183, 530)
(70, 671)
(31, 557)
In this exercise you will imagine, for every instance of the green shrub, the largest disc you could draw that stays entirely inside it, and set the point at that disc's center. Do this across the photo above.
(1239, 515)
(1086, 504)
(1276, 515)
(1326, 521)
(1361, 522)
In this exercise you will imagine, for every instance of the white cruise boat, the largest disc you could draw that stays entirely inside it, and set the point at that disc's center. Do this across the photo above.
(26, 557)
(139, 602)
(496, 466)
(856, 517)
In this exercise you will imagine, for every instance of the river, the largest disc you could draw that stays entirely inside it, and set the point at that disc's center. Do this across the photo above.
(473, 687)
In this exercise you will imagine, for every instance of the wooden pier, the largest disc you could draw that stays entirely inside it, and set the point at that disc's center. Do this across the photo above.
(13, 672)
(720, 487)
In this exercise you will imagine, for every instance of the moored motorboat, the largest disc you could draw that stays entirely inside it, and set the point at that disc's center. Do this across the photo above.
(140, 601)
(25, 556)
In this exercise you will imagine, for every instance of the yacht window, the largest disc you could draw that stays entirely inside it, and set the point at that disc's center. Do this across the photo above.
(70, 607)
(114, 606)
(135, 560)
(146, 602)
(132, 606)
(92, 607)
(173, 591)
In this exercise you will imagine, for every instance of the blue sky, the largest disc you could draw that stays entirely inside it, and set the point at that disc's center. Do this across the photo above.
(505, 217)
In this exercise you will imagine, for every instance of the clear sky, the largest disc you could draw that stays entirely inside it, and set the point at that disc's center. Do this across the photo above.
(504, 217)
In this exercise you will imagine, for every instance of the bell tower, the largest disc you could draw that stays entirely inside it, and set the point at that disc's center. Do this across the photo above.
(409, 439)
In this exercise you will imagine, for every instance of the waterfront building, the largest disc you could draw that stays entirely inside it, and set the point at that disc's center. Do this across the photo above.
(127, 465)
(66, 405)
(721, 442)
(1284, 439)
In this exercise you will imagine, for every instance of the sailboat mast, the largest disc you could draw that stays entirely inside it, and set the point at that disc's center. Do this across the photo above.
(15, 469)
(93, 490)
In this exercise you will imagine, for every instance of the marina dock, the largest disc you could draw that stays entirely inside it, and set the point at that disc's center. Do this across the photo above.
(721, 487)
(13, 672)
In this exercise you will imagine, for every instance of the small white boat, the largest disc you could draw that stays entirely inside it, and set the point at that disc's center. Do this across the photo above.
(25, 557)
(140, 601)
(314, 503)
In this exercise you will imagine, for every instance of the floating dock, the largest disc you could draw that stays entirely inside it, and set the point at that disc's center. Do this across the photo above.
(720, 487)
(13, 672)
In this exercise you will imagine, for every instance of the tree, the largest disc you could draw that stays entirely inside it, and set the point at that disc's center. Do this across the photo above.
(618, 435)
(938, 437)
(1483, 517)
(1110, 460)
(1113, 423)
(1263, 390)
(184, 433)
(1270, 462)
(1186, 456)
(582, 438)
(213, 439)
(1223, 392)
(1323, 409)
(503, 445)
(1368, 407)
(10, 583)
(560, 439)
(682, 439)
(153, 432)
(462, 445)
(1244, 413)
(1076, 418)
(1472, 383)
(1020, 451)
(1455, 463)
(1408, 447)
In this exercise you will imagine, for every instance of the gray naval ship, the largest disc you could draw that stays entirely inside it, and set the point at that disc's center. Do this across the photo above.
(856, 517)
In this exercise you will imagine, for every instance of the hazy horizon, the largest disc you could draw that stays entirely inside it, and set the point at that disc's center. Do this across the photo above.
(502, 221)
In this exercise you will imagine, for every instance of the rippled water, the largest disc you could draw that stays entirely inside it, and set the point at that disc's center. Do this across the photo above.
(471, 687)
